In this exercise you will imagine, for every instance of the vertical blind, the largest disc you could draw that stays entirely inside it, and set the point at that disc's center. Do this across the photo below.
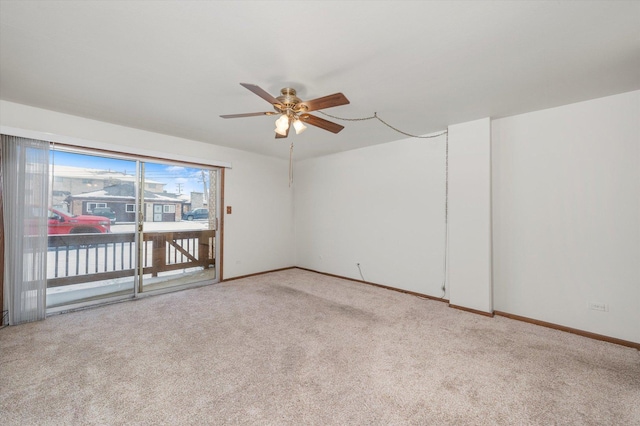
(25, 186)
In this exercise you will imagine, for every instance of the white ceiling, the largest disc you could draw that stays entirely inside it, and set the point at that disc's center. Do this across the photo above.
(174, 66)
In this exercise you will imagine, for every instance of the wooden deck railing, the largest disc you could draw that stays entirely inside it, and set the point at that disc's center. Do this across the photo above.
(81, 258)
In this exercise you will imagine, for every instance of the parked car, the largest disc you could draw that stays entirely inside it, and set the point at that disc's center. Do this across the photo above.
(66, 223)
(196, 214)
(105, 212)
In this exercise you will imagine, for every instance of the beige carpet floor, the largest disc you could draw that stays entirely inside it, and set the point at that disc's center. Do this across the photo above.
(299, 348)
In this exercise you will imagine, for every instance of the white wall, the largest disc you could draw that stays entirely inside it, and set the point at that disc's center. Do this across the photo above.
(258, 234)
(381, 206)
(565, 206)
(470, 215)
(566, 215)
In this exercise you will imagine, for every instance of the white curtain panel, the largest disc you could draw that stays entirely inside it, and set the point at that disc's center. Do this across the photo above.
(25, 170)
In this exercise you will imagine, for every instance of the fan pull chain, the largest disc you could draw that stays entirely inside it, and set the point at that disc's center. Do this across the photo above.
(375, 115)
(291, 165)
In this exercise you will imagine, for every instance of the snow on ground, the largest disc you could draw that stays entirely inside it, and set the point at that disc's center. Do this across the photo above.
(57, 296)
(183, 225)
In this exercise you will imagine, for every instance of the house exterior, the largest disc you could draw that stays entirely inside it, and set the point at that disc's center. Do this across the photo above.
(121, 198)
(70, 180)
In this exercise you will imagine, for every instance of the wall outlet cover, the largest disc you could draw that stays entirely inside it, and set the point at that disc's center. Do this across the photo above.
(596, 306)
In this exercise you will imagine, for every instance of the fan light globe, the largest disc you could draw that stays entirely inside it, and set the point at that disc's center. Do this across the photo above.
(282, 123)
(299, 127)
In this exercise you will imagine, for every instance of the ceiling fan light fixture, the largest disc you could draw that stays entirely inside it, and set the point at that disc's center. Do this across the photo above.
(294, 111)
(299, 127)
(282, 124)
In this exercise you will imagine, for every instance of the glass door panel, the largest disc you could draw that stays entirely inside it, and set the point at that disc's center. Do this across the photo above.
(178, 228)
(91, 253)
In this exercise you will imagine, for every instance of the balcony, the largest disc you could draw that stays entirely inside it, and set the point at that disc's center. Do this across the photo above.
(82, 267)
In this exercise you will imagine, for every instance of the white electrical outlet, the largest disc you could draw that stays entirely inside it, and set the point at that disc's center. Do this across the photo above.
(594, 306)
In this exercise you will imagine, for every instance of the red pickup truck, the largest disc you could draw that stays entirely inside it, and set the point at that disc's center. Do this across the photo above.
(65, 223)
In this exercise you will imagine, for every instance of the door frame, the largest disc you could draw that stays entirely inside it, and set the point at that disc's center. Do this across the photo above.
(139, 219)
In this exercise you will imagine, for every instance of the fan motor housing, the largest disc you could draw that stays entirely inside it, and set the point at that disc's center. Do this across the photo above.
(289, 101)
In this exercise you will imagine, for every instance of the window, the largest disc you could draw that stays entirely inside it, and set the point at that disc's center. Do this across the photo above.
(53, 215)
(145, 247)
(135, 253)
(91, 206)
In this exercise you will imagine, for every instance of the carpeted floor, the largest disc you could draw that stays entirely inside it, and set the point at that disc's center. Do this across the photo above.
(297, 348)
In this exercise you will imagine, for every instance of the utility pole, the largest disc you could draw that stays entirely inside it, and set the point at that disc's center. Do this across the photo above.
(179, 187)
(204, 185)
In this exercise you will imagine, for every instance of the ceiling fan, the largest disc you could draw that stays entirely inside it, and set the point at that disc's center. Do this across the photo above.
(293, 111)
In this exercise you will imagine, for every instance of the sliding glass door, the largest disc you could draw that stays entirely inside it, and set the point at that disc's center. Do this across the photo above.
(91, 255)
(177, 228)
(119, 227)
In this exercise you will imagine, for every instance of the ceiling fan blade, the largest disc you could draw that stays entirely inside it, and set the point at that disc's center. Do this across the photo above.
(321, 122)
(326, 102)
(279, 136)
(262, 93)
(249, 114)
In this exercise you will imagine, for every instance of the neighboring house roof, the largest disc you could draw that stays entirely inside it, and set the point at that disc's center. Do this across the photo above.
(127, 191)
(85, 173)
